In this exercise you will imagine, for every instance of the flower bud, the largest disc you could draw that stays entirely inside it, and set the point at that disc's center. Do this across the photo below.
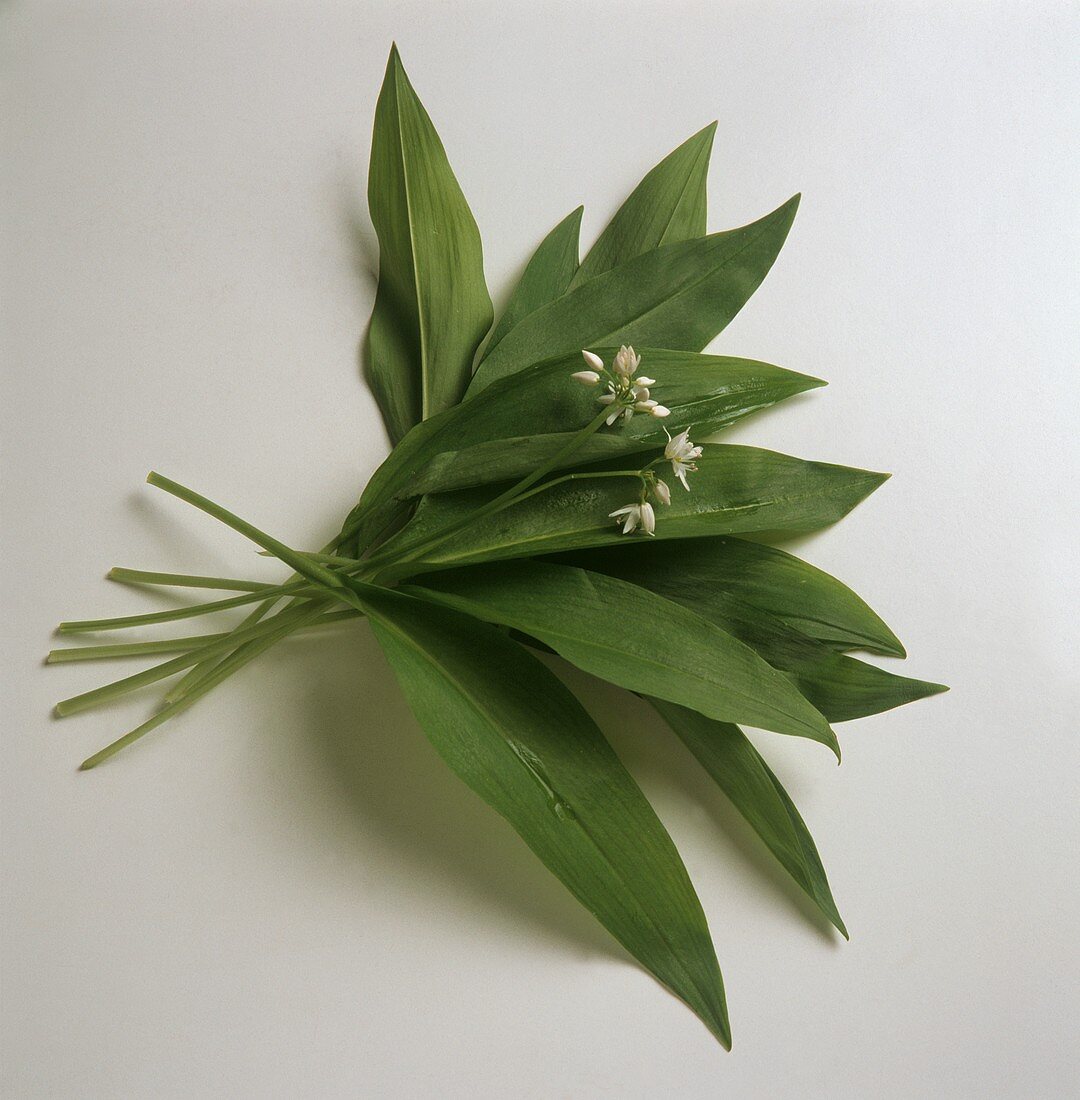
(662, 492)
(660, 411)
(641, 380)
(626, 362)
(594, 361)
(586, 377)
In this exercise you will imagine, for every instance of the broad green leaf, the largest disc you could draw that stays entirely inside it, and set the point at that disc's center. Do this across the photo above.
(840, 687)
(800, 594)
(511, 427)
(727, 755)
(676, 296)
(633, 638)
(668, 205)
(736, 489)
(514, 733)
(545, 278)
(432, 306)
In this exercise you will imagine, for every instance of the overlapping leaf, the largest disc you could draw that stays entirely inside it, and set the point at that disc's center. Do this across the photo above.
(516, 424)
(676, 296)
(510, 729)
(842, 688)
(632, 637)
(726, 753)
(668, 205)
(545, 278)
(771, 579)
(736, 489)
(432, 306)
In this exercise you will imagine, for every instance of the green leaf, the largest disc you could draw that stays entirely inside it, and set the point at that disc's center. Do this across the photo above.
(736, 489)
(518, 423)
(727, 755)
(791, 589)
(676, 296)
(633, 638)
(545, 278)
(840, 687)
(432, 306)
(668, 205)
(514, 733)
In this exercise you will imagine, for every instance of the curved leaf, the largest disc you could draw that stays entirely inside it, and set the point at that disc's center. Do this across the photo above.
(634, 638)
(726, 753)
(840, 687)
(545, 278)
(676, 296)
(791, 589)
(514, 733)
(432, 306)
(517, 423)
(736, 489)
(668, 205)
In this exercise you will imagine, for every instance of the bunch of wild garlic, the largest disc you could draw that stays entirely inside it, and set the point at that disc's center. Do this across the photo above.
(522, 508)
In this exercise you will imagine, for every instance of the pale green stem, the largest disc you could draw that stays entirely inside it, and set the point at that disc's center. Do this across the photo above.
(184, 580)
(241, 657)
(84, 626)
(108, 692)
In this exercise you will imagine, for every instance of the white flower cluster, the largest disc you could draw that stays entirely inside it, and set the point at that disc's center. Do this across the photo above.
(625, 393)
(680, 452)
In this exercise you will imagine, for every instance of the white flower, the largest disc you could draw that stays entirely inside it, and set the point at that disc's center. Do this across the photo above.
(660, 411)
(586, 377)
(626, 362)
(662, 492)
(645, 406)
(680, 452)
(633, 515)
(641, 380)
(593, 360)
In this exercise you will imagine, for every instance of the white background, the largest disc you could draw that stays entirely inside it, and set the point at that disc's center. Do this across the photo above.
(285, 893)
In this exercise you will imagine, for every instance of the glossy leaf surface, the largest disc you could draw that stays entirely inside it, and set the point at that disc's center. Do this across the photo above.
(736, 489)
(632, 637)
(545, 278)
(432, 306)
(676, 296)
(841, 687)
(516, 424)
(739, 770)
(514, 733)
(668, 205)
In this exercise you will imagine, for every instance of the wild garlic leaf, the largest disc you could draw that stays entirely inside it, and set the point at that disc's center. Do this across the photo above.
(736, 489)
(668, 205)
(634, 638)
(516, 735)
(432, 306)
(840, 687)
(676, 296)
(517, 423)
(726, 753)
(787, 587)
(545, 278)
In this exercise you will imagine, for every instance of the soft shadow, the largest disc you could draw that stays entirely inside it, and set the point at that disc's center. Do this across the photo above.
(364, 253)
(385, 780)
(658, 759)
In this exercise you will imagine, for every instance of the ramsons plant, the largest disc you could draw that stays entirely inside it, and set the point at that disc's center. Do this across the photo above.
(522, 509)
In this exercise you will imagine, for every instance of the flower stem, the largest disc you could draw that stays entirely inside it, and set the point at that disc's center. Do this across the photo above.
(108, 692)
(237, 660)
(184, 580)
(504, 499)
